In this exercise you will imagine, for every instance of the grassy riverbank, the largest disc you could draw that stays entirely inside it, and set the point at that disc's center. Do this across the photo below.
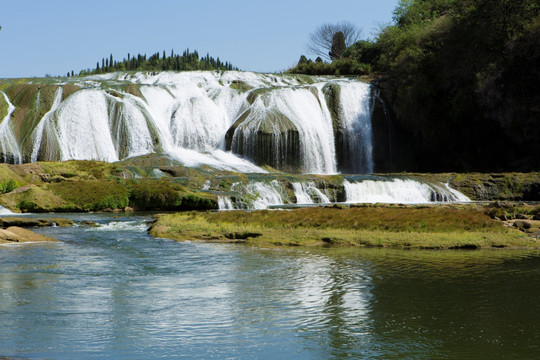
(428, 227)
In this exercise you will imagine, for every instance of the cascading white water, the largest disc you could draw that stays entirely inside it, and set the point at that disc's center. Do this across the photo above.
(459, 197)
(266, 194)
(225, 203)
(260, 195)
(187, 115)
(356, 110)
(308, 193)
(4, 211)
(191, 116)
(397, 191)
(83, 127)
(404, 191)
(46, 129)
(290, 111)
(8, 141)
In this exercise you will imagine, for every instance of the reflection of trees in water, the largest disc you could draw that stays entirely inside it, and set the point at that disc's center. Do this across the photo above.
(323, 299)
(474, 305)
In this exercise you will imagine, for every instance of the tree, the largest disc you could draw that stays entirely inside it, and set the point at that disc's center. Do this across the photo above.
(338, 46)
(321, 40)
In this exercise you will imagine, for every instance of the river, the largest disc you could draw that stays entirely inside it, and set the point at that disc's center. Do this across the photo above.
(115, 292)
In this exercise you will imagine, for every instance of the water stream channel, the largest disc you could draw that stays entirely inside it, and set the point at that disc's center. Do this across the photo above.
(115, 292)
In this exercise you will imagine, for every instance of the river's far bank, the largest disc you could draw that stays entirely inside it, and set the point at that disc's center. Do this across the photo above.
(406, 227)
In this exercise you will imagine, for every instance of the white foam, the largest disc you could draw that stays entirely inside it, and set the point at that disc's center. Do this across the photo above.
(8, 141)
(187, 114)
(225, 203)
(396, 191)
(4, 211)
(308, 193)
(122, 226)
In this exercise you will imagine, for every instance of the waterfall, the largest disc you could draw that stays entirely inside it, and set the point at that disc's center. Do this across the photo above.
(356, 109)
(288, 125)
(45, 129)
(8, 142)
(4, 211)
(459, 197)
(225, 203)
(261, 195)
(228, 120)
(308, 193)
(398, 191)
(258, 195)
(266, 194)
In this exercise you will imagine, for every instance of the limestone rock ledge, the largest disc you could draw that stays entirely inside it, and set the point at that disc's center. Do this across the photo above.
(16, 234)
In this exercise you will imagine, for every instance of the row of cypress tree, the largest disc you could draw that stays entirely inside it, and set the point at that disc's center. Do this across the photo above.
(188, 60)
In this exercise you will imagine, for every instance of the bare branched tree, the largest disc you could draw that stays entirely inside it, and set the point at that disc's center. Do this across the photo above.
(320, 41)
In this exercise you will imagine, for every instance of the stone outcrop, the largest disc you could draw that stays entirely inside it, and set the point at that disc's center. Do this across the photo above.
(17, 234)
(269, 138)
(7, 222)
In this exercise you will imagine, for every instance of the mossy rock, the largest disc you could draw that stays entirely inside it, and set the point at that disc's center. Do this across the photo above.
(35, 199)
(92, 195)
(254, 94)
(164, 194)
(268, 138)
(240, 85)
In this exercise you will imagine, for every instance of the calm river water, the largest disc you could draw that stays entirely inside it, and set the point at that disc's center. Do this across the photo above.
(114, 292)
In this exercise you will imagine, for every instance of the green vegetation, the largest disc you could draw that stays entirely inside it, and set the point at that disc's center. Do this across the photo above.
(463, 227)
(156, 62)
(8, 186)
(92, 195)
(99, 186)
(344, 66)
(164, 194)
(158, 182)
(460, 77)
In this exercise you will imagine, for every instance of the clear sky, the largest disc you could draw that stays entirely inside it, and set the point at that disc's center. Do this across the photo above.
(53, 37)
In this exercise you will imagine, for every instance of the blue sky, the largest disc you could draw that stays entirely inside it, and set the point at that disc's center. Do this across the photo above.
(55, 36)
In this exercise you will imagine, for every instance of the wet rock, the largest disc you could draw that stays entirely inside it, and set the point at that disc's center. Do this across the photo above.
(267, 138)
(28, 222)
(242, 235)
(89, 223)
(522, 224)
(465, 247)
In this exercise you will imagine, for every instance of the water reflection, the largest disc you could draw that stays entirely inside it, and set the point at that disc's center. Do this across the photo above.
(121, 294)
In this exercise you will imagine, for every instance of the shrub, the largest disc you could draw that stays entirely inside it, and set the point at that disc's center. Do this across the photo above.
(8, 186)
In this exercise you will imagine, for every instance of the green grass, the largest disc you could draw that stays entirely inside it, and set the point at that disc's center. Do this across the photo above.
(404, 227)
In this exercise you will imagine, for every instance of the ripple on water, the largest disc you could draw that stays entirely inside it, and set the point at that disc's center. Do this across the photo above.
(122, 294)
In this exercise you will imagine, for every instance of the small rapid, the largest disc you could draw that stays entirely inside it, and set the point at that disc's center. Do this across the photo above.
(262, 195)
(403, 191)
